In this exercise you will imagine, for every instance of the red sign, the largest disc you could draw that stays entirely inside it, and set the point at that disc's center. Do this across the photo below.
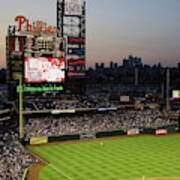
(161, 131)
(76, 74)
(71, 63)
(37, 27)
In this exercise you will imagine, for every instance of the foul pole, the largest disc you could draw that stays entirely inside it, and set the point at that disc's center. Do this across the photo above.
(20, 109)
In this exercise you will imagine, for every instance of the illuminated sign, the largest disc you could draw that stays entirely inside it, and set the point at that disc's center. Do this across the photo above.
(47, 45)
(41, 89)
(37, 27)
(108, 109)
(71, 74)
(76, 51)
(176, 94)
(63, 111)
(16, 47)
(72, 40)
(44, 70)
(76, 62)
(73, 7)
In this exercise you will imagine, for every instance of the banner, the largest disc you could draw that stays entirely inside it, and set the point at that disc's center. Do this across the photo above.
(134, 131)
(108, 109)
(63, 111)
(39, 140)
(87, 136)
(161, 131)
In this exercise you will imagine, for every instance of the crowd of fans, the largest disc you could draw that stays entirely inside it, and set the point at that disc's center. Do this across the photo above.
(69, 102)
(14, 159)
(95, 122)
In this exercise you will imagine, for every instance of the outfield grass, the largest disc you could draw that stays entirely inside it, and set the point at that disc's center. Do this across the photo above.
(119, 159)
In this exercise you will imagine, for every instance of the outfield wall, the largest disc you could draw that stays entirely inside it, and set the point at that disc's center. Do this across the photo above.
(134, 131)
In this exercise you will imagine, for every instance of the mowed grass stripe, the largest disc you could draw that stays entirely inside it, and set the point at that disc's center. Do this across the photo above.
(124, 158)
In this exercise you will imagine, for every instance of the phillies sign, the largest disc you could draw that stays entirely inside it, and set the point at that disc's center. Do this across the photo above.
(36, 27)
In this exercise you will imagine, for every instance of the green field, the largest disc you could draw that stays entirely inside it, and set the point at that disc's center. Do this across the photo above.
(119, 159)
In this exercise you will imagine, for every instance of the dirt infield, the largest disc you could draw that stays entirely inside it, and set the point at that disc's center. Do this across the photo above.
(34, 170)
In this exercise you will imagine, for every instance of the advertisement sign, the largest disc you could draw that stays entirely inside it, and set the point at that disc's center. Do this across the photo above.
(39, 46)
(40, 89)
(134, 131)
(37, 27)
(76, 51)
(63, 111)
(16, 47)
(108, 109)
(161, 131)
(76, 74)
(87, 136)
(124, 98)
(44, 70)
(16, 65)
(72, 40)
(176, 93)
(17, 75)
(73, 7)
(72, 62)
(39, 140)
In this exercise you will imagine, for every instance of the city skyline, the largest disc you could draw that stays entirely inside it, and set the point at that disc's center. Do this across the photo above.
(114, 29)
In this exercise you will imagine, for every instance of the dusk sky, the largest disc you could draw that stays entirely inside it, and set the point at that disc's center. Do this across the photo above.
(115, 28)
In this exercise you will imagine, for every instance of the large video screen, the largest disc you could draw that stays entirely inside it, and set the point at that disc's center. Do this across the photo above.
(44, 69)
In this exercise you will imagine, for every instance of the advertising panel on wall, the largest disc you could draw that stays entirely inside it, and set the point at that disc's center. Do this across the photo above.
(176, 93)
(44, 46)
(39, 140)
(16, 47)
(15, 69)
(76, 51)
(73, 7)
(124, 99)
(134, 131)
(43, 69)
(161, 131)
(72, 62)
(73, 40)
(76, 74)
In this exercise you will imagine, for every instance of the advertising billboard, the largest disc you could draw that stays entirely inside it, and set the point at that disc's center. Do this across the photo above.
(73, 7)
(161, 131)
(43, 69)
(72, 62)
(134, 131)
(73, 40)
(176, 94)
(76, 74)
(16, 47)
(43, 46)
(76, 51)
(124, 99)
(39, 140)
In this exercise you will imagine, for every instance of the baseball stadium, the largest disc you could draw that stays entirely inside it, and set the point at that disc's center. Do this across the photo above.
(60, 121)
